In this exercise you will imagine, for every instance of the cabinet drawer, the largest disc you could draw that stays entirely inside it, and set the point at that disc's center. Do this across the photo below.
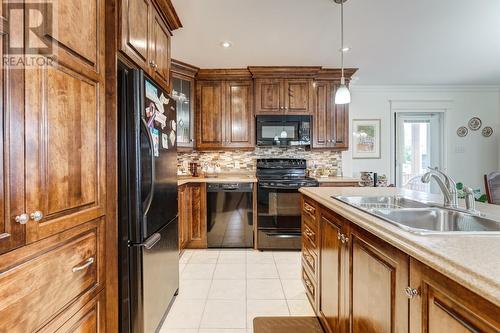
(35, 291)
(309, 235)
(310, 288)
(310, 260)
(309, 209)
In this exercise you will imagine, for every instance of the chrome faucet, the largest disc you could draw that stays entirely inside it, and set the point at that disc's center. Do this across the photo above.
(447, 185)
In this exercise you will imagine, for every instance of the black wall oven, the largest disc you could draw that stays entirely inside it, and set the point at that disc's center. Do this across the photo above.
(283, 130)
(278, 201)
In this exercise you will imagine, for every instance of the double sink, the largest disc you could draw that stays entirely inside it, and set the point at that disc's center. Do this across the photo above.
(422, 217)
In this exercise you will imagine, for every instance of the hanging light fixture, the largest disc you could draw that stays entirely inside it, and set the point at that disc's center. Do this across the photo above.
(343, 95)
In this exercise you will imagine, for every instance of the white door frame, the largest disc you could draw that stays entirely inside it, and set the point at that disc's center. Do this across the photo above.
(418, 106)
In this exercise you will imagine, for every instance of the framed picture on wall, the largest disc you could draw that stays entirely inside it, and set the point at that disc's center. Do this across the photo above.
(366, 138)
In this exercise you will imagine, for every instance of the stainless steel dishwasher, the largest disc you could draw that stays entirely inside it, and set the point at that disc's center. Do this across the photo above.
(230, 215)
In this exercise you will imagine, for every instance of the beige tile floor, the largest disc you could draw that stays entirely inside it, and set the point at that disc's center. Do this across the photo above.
(221, 291)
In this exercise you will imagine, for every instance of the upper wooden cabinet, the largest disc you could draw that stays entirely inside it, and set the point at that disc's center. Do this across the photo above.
(145, 33)
(183, 91)
(209, 115)
(280, 96)
(331, 121)
(238, 113)
(224, 110)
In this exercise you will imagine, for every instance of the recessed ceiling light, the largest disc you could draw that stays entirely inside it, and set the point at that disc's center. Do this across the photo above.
(226, 44)
(345, 49)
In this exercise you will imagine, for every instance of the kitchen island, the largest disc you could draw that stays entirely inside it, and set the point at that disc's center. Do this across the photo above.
(367, 275)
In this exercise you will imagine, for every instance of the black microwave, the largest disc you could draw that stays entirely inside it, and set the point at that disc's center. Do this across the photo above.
(283, 130)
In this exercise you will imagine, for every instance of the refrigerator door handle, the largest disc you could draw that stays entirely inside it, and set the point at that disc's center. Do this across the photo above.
(150, 242)
(149, 199)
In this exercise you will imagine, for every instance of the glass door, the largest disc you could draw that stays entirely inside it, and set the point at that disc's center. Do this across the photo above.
(419, 145)
(182, 94)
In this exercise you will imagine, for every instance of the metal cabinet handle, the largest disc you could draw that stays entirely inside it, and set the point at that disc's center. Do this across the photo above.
(36, 216)
(411, 292)
(22, 219)
(309, 232)
(339, 236)
(308, 209)
(88, 263)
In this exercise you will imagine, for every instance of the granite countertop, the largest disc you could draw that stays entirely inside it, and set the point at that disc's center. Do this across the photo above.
(223, 178)
(337, 179)
(471, 260)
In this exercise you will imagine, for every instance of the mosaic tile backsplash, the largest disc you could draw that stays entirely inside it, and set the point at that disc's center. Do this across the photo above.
(229, 161)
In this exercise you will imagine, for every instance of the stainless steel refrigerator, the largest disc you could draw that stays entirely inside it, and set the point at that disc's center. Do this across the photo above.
(148, 223)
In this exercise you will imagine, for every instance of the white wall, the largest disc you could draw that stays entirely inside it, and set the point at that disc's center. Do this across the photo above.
(480, 155)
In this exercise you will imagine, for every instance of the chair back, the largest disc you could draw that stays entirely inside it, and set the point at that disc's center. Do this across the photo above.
(492, 186)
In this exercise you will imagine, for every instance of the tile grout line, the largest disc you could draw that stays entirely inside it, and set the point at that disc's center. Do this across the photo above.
(206, 298)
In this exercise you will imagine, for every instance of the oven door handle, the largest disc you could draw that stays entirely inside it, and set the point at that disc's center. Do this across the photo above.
(279, 187)
(283, 235)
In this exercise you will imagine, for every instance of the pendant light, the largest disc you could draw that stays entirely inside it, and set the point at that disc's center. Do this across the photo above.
(343, 95)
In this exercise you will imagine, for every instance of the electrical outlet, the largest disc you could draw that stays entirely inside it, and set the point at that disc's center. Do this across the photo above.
(236, 165)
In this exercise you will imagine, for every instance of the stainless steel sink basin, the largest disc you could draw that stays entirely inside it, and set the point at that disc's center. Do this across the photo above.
(437, 220)
(388, 202)
(422, 218)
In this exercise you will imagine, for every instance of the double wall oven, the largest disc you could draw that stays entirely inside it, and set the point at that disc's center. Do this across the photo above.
(279, 214)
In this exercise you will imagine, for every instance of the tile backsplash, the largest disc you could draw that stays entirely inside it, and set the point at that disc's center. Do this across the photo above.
(246, 160)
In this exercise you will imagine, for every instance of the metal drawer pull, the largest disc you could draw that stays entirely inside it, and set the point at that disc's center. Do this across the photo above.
(411, 292)
(88, 263)
(309, 209)
(309, 233)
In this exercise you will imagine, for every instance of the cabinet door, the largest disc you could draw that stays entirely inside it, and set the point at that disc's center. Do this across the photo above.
(331, 281)
(444, 306)
(65, 122)
(379, 274)
(197, 233)
(184, 208)
(12, 233)
(135, 30)
(298, 96)
(238, 113)
(209, 110)
(340, 126)
(322, 122)
(160, 51)
(269, 96)
(185, 110)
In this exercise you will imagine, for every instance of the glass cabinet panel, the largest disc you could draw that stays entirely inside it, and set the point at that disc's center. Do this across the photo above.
(181, 92)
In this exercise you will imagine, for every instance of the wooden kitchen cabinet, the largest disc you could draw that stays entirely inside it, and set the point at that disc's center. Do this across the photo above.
(378, 277)
(145, 34)
(331, 121)
(12, 233)
(65, 122)
(224, 112)
(160, 50)
(211, 132)
(441, 305)
(269, 96)
(284, 96)
(333, 269)
(239, 114)
(192, 216)
(368, 286)
(184, 215)
(183, 91)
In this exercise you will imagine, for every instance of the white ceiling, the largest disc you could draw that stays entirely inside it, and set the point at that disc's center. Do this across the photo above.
(453, 42)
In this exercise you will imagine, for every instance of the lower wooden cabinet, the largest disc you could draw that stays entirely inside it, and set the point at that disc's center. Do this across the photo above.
(378, 276)
(192, 216)
(366, 285)
(331, 283)
(442, 305)
(41, 283)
